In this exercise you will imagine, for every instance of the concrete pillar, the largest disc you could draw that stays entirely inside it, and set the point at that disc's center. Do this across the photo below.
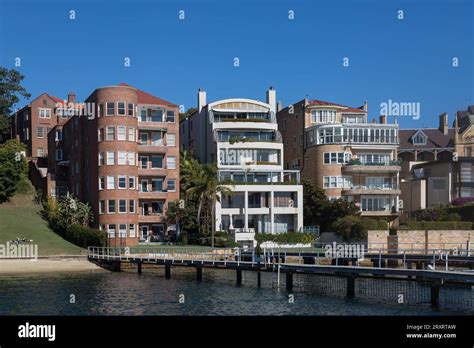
(139, 267)
(168, 271)
(246, 209)
(435, 294)
(350, 281)
(289, 281)
(239, 276)
(272, 217)
(198, 273)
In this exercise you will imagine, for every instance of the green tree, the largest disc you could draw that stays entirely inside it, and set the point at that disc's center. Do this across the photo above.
(314, 204)
(10, 90)
(13, 168)
(187, 113)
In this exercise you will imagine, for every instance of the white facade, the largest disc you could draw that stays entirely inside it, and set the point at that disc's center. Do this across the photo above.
(242, 136)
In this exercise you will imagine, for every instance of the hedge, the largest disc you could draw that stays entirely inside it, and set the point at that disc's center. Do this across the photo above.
(85, 236)
(285, 238)
(436, 225)
(466, 212)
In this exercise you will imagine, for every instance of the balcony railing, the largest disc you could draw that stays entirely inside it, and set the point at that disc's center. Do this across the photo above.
(355, 162)
(236, 177)
(374, 187)
(250, 117)
(258, 137)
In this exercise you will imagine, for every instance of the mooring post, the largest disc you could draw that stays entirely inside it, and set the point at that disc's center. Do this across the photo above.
(168, 270)
(350, 281)
(435, 294)
(259, 279)
(289, 281)
(198, 273)
(239, 276)
(139, 267)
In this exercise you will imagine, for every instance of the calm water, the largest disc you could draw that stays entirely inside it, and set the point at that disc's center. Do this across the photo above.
(127, 293)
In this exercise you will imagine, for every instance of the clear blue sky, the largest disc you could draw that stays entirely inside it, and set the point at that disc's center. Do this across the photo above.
(404, 60)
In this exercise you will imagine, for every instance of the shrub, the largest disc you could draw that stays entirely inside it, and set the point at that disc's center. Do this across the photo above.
(85, 236)
(436, 225)
(286, 238)
(435, 214)
(466, 212)
(24, 186)
(460, 201)
(350, 228)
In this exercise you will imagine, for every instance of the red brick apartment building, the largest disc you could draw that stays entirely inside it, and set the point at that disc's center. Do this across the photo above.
(122, 157)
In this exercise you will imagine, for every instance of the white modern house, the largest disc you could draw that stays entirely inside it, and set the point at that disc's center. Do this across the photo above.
(242, 136)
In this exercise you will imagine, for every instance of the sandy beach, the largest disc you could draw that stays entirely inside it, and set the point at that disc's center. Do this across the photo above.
(47, 265)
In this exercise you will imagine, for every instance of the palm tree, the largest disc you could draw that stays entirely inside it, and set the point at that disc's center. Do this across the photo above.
(200, 180)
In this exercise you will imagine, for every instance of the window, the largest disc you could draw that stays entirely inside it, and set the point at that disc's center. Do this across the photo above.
(122, 158)
(101, 110)
(144, 185)
(111, 231)
(143, 113)
(110, 182)
(156, 115)
(323, 116)
(156, 185)
(110, 108)
(171, 162)
(59, 155)
(101, 159)
(157, 139)
(170, 139)
(101, 207)
(336, 157)
(101, 134)
(121, 108)
(130, 109)
(39, 152)
(143, 138)
(122, 182)
(337, 181)
(144, 162)
(132, 230)
(59, 134)
(156, 162)
(122, 206)
(131, 205)
(171, 185)
(131, 182)
(44, 113)
(111, 206)
(40, 132)
(170, 116)
(131, 158)
(131, 134)
(419, 138)
(157, 207)
(110, 158)
(122, 230)
(121, 133)
(110, 133)
(101, 183)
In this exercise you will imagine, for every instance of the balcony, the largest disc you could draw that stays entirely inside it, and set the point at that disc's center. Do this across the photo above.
(161, 194)
(152, 171)
(152, 125)
(152, 148)
(152, 218)
(357, 166)
(241, 177)
(375, 213)
(235, 137)
(387, 189)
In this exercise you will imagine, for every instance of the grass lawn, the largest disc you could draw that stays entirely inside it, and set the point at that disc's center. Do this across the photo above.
(20, 218)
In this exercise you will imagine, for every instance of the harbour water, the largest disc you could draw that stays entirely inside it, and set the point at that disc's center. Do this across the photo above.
(127, 293)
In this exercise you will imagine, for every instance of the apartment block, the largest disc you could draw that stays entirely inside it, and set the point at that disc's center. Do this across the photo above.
(438, 163)
(241, 136)
(122, 157)
(338, 149)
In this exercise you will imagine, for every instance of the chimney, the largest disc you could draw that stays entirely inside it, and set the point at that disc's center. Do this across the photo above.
(443, 123)
(271, 99)
(366, 106)
(71, 97)
(383, 119)
(279, 107)
(201, 99)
